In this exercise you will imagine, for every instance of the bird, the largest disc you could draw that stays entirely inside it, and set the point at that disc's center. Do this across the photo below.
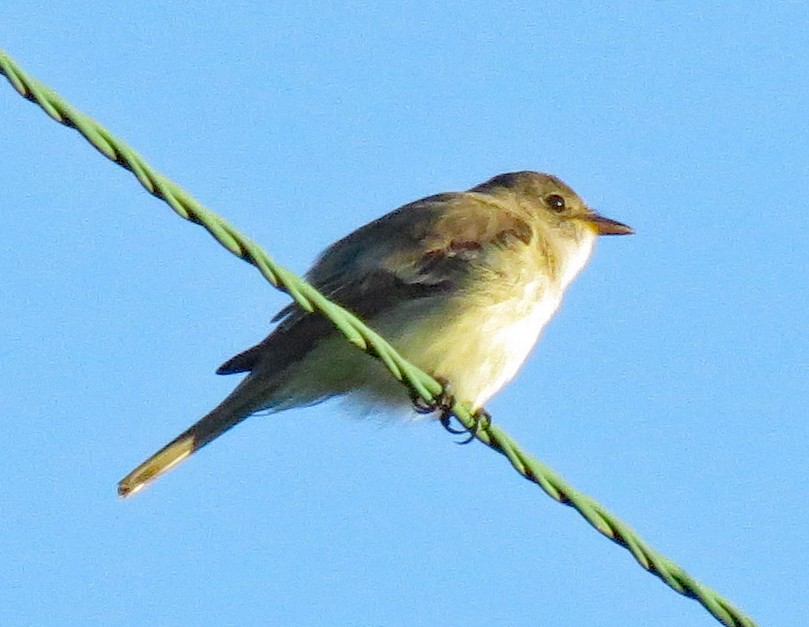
(460, 283)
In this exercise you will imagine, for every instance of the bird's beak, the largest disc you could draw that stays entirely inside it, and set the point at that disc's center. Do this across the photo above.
(606, 226)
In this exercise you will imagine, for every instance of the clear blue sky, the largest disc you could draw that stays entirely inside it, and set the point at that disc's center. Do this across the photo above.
(672, 386)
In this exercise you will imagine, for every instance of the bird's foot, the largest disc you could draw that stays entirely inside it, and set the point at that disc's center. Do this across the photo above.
(482, 420)
(442, 402)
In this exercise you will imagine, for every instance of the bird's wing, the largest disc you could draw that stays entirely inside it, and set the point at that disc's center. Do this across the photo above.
(420, 250)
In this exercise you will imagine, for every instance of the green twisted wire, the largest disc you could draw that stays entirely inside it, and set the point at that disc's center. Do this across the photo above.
(365, 339)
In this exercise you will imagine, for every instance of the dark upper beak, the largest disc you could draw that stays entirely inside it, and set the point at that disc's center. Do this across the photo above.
(606, 226)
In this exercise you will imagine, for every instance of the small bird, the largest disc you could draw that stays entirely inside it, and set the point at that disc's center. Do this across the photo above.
(460, 283)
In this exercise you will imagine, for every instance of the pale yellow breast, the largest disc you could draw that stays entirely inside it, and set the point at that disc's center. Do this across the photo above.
(479, 349)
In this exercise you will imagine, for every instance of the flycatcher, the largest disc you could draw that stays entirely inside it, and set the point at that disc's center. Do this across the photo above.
(461, 284)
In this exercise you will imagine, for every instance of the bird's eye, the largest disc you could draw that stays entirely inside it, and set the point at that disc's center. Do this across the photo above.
(556, 202)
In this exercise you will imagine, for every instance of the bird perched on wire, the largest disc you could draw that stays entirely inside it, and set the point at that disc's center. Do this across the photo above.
(461, 284)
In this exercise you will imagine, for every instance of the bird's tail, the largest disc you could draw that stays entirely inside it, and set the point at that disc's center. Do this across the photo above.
(240, 404)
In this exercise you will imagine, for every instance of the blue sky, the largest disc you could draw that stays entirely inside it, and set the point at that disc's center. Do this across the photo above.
(672, 386)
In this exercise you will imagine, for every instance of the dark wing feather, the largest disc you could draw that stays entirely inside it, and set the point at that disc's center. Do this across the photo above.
(420, 250)
(300, 331)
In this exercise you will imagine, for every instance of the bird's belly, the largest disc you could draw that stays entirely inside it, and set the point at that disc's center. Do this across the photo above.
(479, 347)
(477, 344)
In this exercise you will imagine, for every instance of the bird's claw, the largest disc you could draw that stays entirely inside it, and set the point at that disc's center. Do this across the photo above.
(442, 402)
(446, 422)
(482, 420)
